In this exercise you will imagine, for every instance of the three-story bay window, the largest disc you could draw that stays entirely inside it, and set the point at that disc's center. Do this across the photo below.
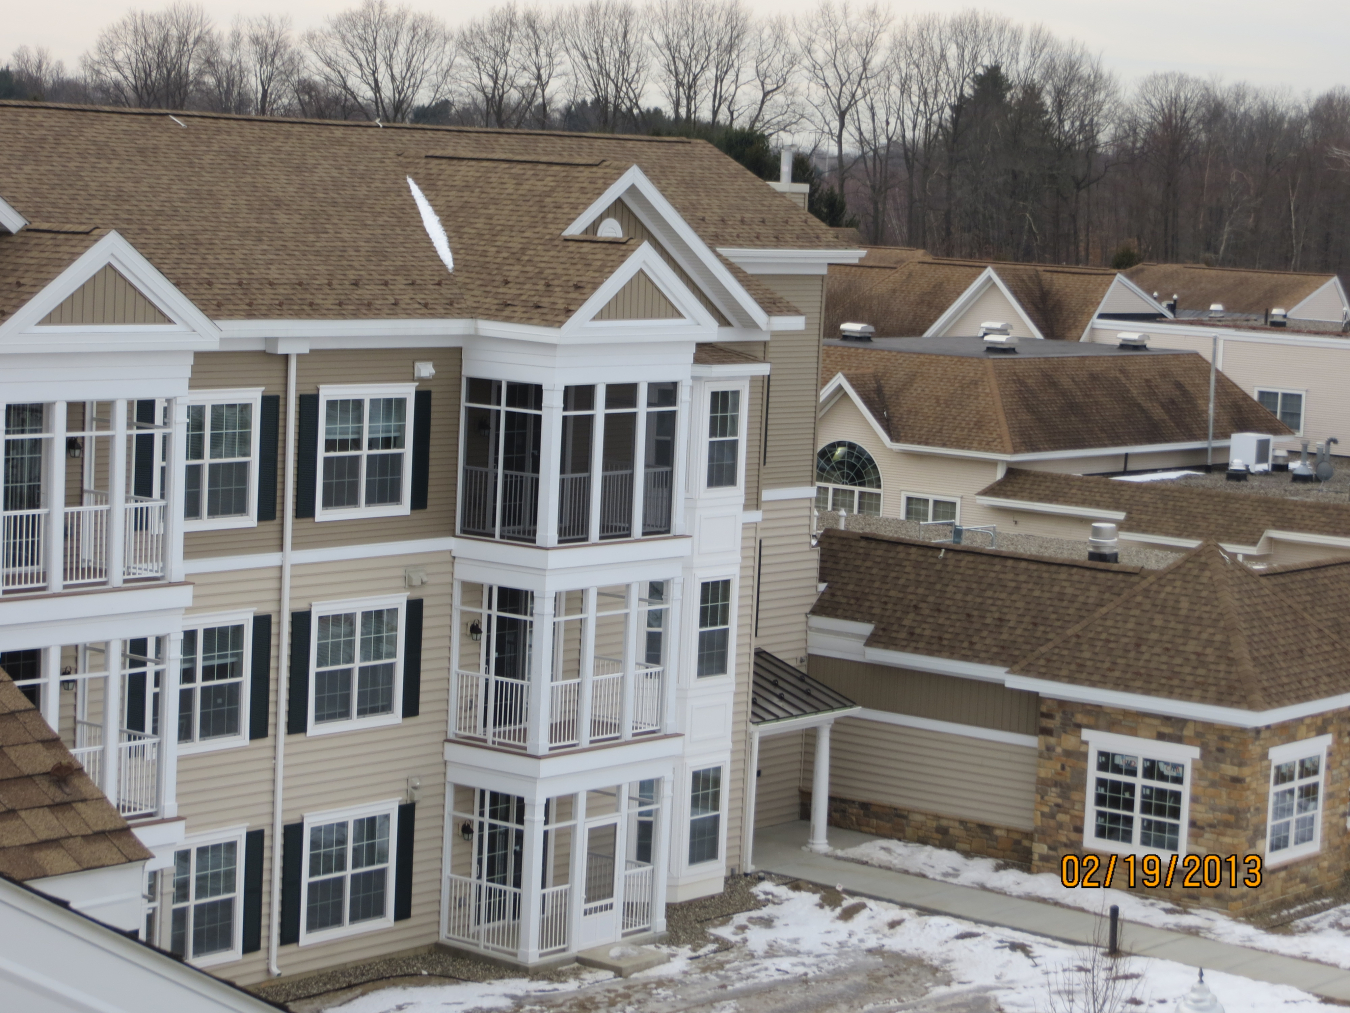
(499, 489)
(221, 474)
(365, 446)
(714, 627)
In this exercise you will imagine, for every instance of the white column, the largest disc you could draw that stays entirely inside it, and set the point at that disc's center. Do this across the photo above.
(168, 725)
(173, 491)
(531, 881)
(112, 720)
(550, 457)
(117, 496)
(577, 873)
(751, 797)
(640, 461)
(597, 460)
(51, 686)
(662, 834)
(587, 670)
(55, 498)
(820, 791)
(680, 487)
(630, 642)
(541, 674)
(675, 656)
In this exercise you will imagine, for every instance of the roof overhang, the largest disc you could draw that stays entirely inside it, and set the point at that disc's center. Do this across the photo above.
(758, 261)
(10, 219)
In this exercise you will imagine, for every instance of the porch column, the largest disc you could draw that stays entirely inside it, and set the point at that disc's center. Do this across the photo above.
(541, 674)
(685, 459)
(597, 461)
(630, 649)
(820, 790)
(550, 456)
(675, 656)
(173, 490)
(661, 870)
(55, 497)
(117, 496)
(167, 755)
(640, 462)
(112, 721)
(751, 798)
(587, 670)
(51, 687)
(531, 881)
(576, 875)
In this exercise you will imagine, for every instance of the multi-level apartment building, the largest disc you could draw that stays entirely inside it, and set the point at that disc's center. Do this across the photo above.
(391, 515)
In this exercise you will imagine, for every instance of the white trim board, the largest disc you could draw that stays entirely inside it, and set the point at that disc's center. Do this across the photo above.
(329, 554)
(756, 261)
(947, 727)
(10, 219)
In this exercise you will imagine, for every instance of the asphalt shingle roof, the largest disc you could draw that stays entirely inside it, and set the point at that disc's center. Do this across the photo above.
(1240, 290)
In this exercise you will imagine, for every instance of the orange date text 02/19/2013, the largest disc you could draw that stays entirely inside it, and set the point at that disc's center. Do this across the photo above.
(1191, 872)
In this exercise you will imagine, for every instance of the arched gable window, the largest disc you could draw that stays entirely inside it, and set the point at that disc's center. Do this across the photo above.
(847, 478)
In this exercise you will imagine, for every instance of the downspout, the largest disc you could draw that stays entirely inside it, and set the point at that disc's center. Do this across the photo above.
(283, 665)
(1213, 365)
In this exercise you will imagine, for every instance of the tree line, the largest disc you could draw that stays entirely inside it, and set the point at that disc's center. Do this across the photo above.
(967, 134)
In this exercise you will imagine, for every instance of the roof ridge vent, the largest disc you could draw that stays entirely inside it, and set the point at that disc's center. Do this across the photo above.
(1133, 340)
(856, 332)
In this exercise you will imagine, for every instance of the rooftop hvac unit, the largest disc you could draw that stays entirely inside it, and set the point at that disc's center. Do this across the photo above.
(856, 332)
(1279, 317)
(1252, 448)
(1133, 341)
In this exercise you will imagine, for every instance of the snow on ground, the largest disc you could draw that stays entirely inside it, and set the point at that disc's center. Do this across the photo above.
(1155, 476)
(798, 941)
(1324, 937)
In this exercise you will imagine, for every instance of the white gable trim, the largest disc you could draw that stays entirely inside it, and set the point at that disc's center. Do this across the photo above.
(967, 299)
(1120, 279)
(663, 221)
(1340, 291)
(194, 330)
(644, 260)
(839, 387)
(10, 219)
(754, 261)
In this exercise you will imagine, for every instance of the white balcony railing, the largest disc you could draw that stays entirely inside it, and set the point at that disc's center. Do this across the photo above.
(144, 538)
(85, 546)
(554, 904)
(637, 897)
(22, 563)
(493, 709)
(484, 914)
(137, 791)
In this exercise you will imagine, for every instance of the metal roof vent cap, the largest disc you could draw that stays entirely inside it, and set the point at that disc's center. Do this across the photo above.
(998, 337)
(1279, 317)
(1103, 546)
(1216, 309)
(856, 332)
(1237, 470)
(1133, 341)
(994, 327)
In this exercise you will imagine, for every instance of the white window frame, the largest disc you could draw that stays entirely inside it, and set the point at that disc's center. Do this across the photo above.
(227, 835)
(705, 430)
(1152, 749)
(209, 397)
(905, 497)
(199, 623)
(358, 605)
(346, 392)
(1303, 412)
(697, 609)
(388, 807)
(689, 816)
(1319, 747)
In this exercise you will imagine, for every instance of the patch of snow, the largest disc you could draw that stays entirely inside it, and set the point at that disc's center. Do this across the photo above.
(431, 221)
(1324, 937)
(1156, 476)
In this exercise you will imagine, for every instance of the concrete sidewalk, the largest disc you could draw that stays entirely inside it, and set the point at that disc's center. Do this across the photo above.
(780, 850)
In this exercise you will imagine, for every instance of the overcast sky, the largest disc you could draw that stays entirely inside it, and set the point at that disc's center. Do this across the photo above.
(1300, 44)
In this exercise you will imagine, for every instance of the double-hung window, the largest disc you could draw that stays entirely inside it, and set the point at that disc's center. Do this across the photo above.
(1296, 799)
(705, 815)
(213, 682)
(365, 443)
(221, 475)
(1138, 794)
(204, 915)
(714, 627)
(348, 880)
(1285, 405)
(358, 654)
(930, 508)
(724, 438)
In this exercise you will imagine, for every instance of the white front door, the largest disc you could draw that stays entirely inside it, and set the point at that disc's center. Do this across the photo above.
(600, 905)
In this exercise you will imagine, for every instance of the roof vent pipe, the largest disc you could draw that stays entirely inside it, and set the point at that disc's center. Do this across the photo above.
(1215, 309)
(1302, 472)
(785, 165)
(1133, 341)
(1103, 546)
(856, 332)
(1237, 470)
(1279, 317)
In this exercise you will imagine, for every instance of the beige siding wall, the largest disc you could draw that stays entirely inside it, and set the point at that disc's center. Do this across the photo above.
(992, 306)
(788, 570)
(639, 299)
(777, 794)
(926, 695)
(740, 710)
(933, 772)
(793, 384)
(106, 298)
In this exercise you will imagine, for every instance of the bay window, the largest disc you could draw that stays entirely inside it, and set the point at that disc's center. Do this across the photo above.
(724, 438)
(714, 627)
(705, 815)
(499, 488)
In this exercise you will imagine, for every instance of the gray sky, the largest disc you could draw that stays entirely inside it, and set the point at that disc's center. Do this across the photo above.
(1299, 44)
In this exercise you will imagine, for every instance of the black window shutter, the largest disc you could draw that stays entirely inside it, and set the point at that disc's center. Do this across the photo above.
(268, 418)
(143, 474)
(421, 449)
(403, 863)
(253, 889)
(135, 716)
(297, 694)
(307, 454)
(412, 658)
(260, 683)
(292, 865)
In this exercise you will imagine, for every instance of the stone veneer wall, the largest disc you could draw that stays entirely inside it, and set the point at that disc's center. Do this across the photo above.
(965, 836)
(1229, 798)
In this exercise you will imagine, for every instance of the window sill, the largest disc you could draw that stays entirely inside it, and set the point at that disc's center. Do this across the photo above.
(1289, 855)
(219, 524)
(1116, 848)
(212, 745)
(361, 513)
(359, 929)
(356, 724)
(216, 959)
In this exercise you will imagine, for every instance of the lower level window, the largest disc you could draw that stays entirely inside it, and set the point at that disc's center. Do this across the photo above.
(929, 508)
(347, 876)
(1285, 405)
(1137, 794)
(204, 908)
(211, 684)
(1294, 827)
(705, 815)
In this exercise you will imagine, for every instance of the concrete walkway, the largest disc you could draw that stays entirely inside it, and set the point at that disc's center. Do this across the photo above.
(780, 850)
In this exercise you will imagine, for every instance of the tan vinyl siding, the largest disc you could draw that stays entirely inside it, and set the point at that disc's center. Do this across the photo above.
(777, 792)
(740, 711)
(788, 571)
(639, 299)
(106, 298)
(754, 441)
(990, 306)
(934, 772)
(794, 383)
(928, 695)
(638, 233)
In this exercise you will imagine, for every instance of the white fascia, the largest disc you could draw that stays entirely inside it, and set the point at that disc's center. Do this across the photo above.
(695, 256)
(1120, 279)
(967, 298)
(1340, 291)
(697, 320)
(194, 331)
(725, 370)
(798, 724)
(1058, 509)
(446, 333)
(754, 261)
(10, 219)
(1268, 336)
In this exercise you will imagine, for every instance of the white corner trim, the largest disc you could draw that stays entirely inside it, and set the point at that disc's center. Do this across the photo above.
(967, 298)
(729, 370)
(947, 727)
(1059, 509)
(752, 516)
(329, 554)
(10, 219)
(644, 260)
(789, 492)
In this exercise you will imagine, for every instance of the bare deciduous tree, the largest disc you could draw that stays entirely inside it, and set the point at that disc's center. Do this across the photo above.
(543, 58)
(151, 60)
(274, 60)
(492, 69)
(227, 83)
(606, 44)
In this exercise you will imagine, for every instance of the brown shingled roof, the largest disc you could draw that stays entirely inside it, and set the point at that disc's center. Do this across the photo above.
(1176, 510)
(32, 260)
(53, 818)
(1022, 405)
(714, 354)
(1240, 290)
(256, 218)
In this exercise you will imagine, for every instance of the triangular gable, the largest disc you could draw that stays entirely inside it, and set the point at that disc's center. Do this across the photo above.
(106, 298)
(986, 299)
(1126, 300)
(1328, 304)
(640, 299)
(110, 298)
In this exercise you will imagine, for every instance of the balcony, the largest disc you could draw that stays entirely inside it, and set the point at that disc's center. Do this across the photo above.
(136, 792)
(88, 556)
